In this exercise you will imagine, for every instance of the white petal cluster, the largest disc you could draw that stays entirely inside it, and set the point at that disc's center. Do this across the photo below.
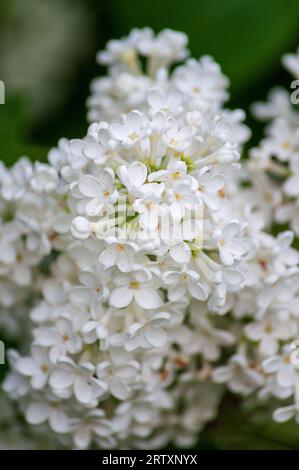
(31, 214)
(276, 159)
(146, 252)
(270, 298)
(139, 77)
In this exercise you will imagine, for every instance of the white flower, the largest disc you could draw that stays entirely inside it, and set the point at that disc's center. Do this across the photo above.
(289, 213)
(101, 148)
(94, 330)
(210, 186)
(182, 282)
(131, 131)
(92, 291)
(92, 424)
(231, 246)
(169, 102)
(80, 378)
(15, 384)
(21, 269)
(44, 178)
(184, 197)
(150, 211)
(283, 140)
(202, 80)
(268, 332)
(60, 339)
(281, 366)
(285, 413)
(175, 173)
(15, 182)
(80, 228)
(278, 105)
(39, 412)
(178, 138)
(10, 232)
(119, 253)
(210, 339)
(37, 367)
(239, 376)
(97, 192)
(148, 335)
(134, 177)
(77, 159)
(291, 63)
(138, 288)
(167, 47)
(119, 375)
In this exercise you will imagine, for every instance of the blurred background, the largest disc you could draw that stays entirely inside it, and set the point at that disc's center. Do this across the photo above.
(47, 60)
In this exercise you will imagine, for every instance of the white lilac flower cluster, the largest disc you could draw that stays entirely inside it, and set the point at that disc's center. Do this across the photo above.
(29, 219)
(276, 159)
(155, 282)
(29, 213)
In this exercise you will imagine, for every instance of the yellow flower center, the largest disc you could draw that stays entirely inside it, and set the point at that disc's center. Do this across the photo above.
(120, 247)
(287, 360)
(134, 284)
(176, 175)
(286, 145)
(268, 328)
(133, 136)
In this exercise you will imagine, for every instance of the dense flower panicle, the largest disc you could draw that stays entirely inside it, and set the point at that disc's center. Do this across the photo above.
(194, 85)
(145, 249)
(276, 158)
